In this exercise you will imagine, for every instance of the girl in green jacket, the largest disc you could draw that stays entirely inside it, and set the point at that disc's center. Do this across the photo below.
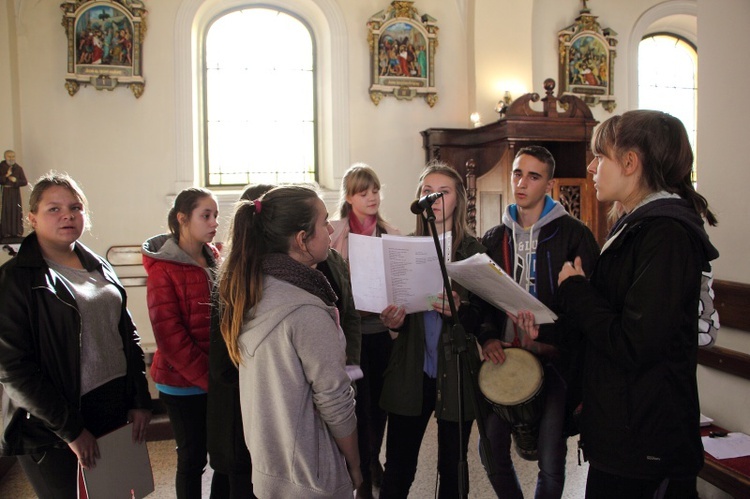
(421, 377)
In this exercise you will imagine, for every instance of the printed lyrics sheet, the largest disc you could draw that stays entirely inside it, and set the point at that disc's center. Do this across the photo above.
(398, 270)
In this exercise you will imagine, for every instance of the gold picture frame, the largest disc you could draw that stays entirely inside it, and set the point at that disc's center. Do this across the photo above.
(105, 39)
(402, 48)
(587, 61)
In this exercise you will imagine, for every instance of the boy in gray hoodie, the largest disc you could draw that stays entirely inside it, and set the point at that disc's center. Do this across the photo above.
(532, 244)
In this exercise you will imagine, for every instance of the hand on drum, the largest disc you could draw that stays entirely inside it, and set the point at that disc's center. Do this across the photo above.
(493, 351)
(526, 322)
(393, 316)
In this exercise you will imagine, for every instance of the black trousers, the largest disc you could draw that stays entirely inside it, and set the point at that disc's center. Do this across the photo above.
(53, 473)
(403, 441)
(187, 415)
(371, 419)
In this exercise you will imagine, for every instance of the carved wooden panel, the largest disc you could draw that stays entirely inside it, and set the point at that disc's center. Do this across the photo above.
(564, 127)
(575, 196)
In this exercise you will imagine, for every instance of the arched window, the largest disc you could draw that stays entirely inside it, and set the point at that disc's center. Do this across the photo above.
(325, 20)
(667, 79)
(259, 99)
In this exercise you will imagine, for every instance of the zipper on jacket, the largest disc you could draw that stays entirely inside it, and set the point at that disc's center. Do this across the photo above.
(549, 274)
(80, 337)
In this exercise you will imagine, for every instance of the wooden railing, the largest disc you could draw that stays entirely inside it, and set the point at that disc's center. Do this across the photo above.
(732, 301)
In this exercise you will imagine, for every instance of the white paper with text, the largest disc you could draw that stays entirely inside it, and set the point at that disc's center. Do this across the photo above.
(399, 270)
(483, 277)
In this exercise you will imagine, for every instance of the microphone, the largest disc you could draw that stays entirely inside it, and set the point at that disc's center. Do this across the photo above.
(425, 202)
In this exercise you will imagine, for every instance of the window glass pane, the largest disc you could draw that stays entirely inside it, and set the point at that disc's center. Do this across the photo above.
(259, 99)
(667, 80)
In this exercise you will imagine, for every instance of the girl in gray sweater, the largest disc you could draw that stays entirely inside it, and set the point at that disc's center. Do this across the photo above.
(280, 324)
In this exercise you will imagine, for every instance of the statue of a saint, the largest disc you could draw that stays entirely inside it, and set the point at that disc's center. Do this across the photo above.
(12, 178)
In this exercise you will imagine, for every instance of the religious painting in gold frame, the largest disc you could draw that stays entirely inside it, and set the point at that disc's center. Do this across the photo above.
(105, 39)
(587, 61)
(402, 48)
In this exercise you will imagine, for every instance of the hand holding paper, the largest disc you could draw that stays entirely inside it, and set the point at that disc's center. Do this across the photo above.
(441, 305)
(526, 321)
(86, 449)
(483, 277)
(393, 316)
(123, 470)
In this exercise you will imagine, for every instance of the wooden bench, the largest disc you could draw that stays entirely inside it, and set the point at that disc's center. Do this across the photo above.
(732, 301)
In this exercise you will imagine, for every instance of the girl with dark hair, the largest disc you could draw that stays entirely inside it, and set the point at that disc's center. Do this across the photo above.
(71, 364)
(635, 317)
(181, 267)
(421, 378)
(360, 214)
(280, 324)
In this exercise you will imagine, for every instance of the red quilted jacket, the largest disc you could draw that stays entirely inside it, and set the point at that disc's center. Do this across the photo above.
(178, 294)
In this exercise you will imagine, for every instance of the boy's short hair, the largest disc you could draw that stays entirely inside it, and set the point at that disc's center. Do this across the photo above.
(542, 154)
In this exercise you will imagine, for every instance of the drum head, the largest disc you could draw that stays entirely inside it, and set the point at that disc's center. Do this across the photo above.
(514, 381)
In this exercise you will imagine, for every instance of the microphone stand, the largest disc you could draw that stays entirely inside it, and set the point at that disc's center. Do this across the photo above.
(458, 341)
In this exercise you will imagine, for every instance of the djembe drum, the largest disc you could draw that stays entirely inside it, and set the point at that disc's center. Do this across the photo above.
(514, 390)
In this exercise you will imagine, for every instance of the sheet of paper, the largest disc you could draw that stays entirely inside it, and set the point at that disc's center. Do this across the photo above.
(445, 240)
(400, 270)
(123, 470)
(367, 270)
(733, 445)
(483, 277)
(354, 372)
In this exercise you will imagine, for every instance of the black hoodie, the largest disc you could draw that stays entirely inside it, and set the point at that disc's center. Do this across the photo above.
(676, 208)
(638, 328)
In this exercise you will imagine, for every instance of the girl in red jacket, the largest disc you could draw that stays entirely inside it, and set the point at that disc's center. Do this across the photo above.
(181, 268)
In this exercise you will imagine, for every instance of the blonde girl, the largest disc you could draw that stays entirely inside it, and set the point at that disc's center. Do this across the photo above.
(359, 208)
(421, 377)
(71, 364)
(359, 212)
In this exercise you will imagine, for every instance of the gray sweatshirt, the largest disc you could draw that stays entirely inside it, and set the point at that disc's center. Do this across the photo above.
(525, 241)
(295, 395)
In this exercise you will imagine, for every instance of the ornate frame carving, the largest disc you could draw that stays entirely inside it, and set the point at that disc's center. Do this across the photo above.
(402, 53)
(105, 39)
(574, 195)
(587, 61)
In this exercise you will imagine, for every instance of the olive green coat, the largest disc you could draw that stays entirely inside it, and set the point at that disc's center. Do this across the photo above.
(402, 388)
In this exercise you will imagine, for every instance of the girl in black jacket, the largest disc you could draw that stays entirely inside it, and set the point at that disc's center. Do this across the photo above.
(636, 315)
(70, 361)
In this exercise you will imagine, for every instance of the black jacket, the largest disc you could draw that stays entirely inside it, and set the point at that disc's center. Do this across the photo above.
(638, 323)
(227, 451)
(40, 329)
(559, 241)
